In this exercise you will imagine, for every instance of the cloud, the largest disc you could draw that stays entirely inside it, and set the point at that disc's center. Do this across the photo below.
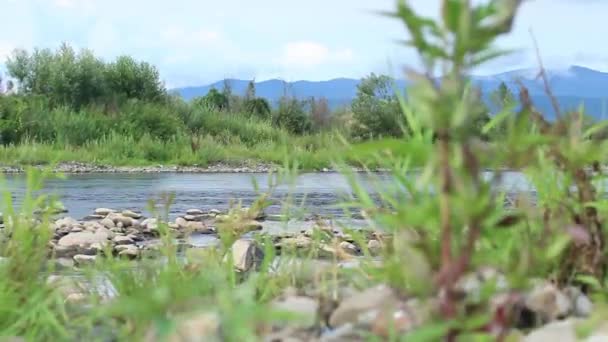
(181, 37)
(310, 54)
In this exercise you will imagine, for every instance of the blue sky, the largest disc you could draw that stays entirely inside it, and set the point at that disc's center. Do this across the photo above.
(196, 42)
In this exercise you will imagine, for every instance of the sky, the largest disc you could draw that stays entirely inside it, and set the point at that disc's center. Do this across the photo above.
(197, 42)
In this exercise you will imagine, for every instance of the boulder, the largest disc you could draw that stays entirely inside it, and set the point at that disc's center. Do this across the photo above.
(127, 251)
(123, 240)
(349, 248)
(131, 214)
(194, 212)
(364, 307)
(181, 222)
(83, 239)
(246, 255)
(66, 222)
(199, 227)
(106, 222)
(83, 260)
(548, 302)
(104, 211)
(374, 247)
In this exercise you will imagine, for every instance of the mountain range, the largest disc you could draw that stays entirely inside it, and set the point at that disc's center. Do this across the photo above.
(572, 87)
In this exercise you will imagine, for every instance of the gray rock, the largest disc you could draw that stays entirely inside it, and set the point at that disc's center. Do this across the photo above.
(194, 212)
(199, 227)
(181, 222)
(93, 217)
(104, 211)
(83, 260)
(121, 220)
(127, 251)
(215, 212)
(83, 239)
(64, 263)
(349, 248)
(374, 247)
(66, 222)
(106, 222)
(565, 331)
(76, 229)
(190, 217)
(246, 255)
(549, 302)
(364, 307)
(581, 304)
(131, 214)
(123, 240)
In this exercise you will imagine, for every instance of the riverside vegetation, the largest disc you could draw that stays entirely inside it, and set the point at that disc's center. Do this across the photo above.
(443, 258)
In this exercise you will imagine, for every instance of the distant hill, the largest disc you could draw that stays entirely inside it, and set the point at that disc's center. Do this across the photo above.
(573, 87)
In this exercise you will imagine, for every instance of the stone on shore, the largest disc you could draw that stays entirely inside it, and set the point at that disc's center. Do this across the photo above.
(194, 212)
(364, 307)
(104, 211)
(84, 260)
(304, 308)
(246, 255)
(131, 214)
(123, 240)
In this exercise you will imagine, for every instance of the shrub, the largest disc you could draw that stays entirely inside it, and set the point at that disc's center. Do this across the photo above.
(291, 115)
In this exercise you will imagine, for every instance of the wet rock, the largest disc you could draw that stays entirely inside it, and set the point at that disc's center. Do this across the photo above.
(246, 255)
(304, 308)
(190, 217)
(123, 240)
(194, 212)
(548, 302)
(214, 212)
(364, 307)
(131, 214)
(104, 211)
(106, 222)
(64, 264)
(84, 260)
(121, 220)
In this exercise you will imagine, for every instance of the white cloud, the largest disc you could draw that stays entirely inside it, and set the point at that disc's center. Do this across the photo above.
(311, 54)
(179, 36)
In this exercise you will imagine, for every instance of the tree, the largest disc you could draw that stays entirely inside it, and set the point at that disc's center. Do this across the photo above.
(292, 116)
(376, 109)
(320, 113)
(213, 99)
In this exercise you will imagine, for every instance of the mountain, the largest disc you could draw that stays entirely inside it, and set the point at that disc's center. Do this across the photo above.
(572, 87)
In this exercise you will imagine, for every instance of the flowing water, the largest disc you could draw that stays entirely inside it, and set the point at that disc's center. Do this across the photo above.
(314, 193)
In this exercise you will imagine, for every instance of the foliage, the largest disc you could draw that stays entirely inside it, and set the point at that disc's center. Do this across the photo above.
(214, 98)
(80, 79)
(291, 115)
(376, 108)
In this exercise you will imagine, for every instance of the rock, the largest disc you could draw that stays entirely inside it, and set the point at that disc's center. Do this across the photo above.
(121, 220)
(131, 214)
(215, 212)
(64, 264)
(83, 239)
(1, 219)
(374, 247)
(65, 251)
(581, 304)
(198, 327)
(76, 229)
(75, 298)
(364, 307)
(190, 217)
(181, 223)
(547, 301)
(106, 222)
(349, 248)
(66, 222)
(83, 260)
(94, 249)
(123, 240)
(199, 227)
(194, 212)
(93, 217)
(298, 242)
(104, 211)
(276, 218)
(127, 251)
(566, 331)
(246, 255)
(304, 307)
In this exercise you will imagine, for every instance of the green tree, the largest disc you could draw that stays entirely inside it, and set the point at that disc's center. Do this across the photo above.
(291, 115)
(376, 108)
(214, 99)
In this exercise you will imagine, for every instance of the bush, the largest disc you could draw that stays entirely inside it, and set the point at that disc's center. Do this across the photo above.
(159, 121)
(291, 115)
(376, 109)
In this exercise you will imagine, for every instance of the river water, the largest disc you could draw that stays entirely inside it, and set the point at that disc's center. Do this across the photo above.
(314, 193)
